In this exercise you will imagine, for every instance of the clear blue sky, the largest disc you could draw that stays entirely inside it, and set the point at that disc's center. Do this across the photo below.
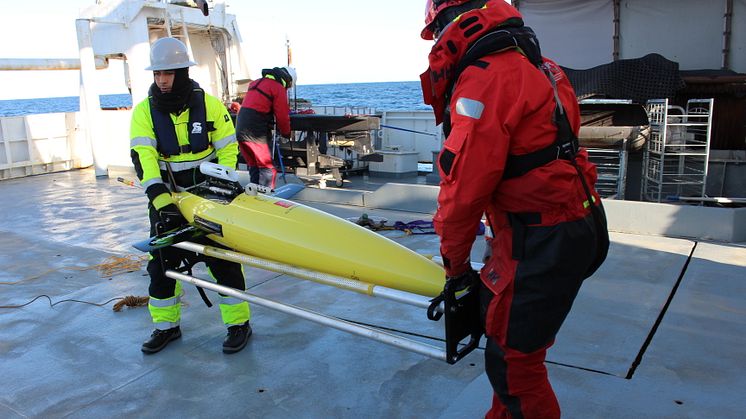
(333, 41)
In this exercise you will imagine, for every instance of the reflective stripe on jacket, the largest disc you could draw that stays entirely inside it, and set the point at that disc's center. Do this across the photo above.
(504, 106)
(149, 162)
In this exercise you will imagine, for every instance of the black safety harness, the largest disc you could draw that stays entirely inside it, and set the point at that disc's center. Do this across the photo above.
(253, 123)
(278, 77)
(513, 35)
(459, 301)
(520, 38)
(260, 91)
(199, 127)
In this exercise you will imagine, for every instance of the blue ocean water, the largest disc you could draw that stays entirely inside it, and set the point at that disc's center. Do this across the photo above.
(18, 107)
(388, 96)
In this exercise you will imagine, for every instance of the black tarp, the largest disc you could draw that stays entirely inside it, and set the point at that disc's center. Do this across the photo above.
(638, 79)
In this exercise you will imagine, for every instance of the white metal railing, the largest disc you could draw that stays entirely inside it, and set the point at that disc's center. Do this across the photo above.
(411, 131)
(41, 143)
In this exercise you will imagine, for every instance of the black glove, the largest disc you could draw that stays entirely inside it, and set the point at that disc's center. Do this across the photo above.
(171, 217)
(454, 284)
(465, 280)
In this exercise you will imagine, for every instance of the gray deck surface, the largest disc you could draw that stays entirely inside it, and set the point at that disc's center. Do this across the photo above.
(81, 360)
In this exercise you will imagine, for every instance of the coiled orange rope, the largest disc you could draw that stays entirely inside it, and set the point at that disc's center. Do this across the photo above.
(111, 266)
(130, 301)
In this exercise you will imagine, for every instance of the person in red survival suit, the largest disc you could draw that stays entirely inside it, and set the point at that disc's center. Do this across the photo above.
(511, 153)
(265, 102)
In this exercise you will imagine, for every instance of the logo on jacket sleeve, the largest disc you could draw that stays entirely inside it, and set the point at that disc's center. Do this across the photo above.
(196, 128)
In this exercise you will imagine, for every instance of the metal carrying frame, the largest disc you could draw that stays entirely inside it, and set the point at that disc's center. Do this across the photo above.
(460, 308)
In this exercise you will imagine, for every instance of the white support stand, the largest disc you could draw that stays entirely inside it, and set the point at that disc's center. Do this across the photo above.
(90, 105)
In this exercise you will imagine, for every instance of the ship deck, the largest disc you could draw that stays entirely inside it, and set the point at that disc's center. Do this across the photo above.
(657, 332)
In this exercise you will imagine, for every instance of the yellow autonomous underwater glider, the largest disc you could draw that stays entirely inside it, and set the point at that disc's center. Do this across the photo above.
(284, 231)
(270, 228)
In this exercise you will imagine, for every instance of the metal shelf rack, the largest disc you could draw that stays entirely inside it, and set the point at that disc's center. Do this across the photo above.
(611, 166)
(675, 156)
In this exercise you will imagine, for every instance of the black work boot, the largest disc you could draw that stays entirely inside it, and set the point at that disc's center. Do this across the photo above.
(236, 338)
(159, 339)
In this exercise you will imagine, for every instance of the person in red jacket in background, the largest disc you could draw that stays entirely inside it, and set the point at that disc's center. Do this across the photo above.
(511, 119)
(265, 104)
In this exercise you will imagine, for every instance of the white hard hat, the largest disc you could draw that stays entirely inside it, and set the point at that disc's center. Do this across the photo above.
(169, 54)
(293, 74)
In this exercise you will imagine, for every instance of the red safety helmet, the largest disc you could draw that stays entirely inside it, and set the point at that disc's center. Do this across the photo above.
(436, 20)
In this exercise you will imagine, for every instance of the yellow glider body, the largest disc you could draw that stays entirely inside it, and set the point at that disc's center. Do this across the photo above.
(284, 231)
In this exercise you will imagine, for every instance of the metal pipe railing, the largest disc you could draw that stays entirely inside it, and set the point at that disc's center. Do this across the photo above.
(31, 64)
(345, 326)
(318, 277)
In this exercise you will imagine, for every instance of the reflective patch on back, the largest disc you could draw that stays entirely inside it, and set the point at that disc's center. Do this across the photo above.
(469, 107)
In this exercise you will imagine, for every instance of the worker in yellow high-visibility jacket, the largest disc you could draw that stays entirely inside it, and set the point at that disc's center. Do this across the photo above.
(181, 126)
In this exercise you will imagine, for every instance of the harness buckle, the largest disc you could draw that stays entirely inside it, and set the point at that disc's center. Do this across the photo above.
(567, 150)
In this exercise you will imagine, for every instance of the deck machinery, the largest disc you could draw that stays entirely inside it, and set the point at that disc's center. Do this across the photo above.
(329, 145)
